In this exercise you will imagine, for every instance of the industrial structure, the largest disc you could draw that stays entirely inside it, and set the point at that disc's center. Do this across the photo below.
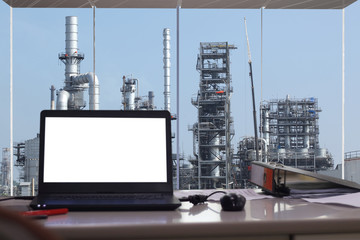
(130, 86)
(352, 166)
(245, 155)
(290, 131)
(5, 172)
(31, 178)
(27, 161)
(167, 65)
(71, 96)
(132, 100)
(214, 128)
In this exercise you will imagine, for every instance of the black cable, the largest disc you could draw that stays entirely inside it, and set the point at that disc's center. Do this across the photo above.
(198, 198)
(217, 192)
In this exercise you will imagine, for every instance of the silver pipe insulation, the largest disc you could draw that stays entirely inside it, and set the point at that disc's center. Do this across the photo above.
(94, 91)
(71, 48)
(265, 150)
(167, 64)
(94, 88)
(62, 100)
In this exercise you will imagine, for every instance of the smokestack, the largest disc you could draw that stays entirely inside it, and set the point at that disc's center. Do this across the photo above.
(71, 96)
(166, 34)
(52, 98)
(71, 58)
(151, 100)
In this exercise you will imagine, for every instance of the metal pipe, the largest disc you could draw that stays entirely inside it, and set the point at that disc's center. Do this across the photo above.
(287, 128)
(214, 155)
(178, 93)
(94, 88)
(52, 98)
(261, 95)
(265, 129)
(307, 136)
(11, 105)
(264, 150)
(167, 64)
(343, 98)
(194, 138)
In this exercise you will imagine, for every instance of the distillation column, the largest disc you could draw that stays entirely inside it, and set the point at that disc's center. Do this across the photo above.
(128, 91)
(213, 131)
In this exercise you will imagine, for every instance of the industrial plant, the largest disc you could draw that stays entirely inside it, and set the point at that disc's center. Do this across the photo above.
(214, 128)
(71, 96)
(290, 131)
(289, 128)
(130, 86)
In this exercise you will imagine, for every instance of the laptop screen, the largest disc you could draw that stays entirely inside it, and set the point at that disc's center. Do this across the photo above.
(98, 149)
(105, 151)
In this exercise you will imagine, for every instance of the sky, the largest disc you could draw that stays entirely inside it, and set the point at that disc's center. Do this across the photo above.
(301, 58)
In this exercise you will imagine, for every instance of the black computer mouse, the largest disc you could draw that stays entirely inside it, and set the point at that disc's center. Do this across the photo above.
(232, 202)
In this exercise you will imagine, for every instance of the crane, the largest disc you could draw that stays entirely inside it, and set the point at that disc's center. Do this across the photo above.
(253, 95)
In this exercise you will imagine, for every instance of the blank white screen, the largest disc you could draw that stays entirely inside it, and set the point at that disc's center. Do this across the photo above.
(105, 150)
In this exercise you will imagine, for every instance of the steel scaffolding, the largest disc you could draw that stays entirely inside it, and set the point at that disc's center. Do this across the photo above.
(214, 129)
(291, 131)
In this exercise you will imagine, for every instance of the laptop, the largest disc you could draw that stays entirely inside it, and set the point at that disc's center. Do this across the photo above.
(105, 160)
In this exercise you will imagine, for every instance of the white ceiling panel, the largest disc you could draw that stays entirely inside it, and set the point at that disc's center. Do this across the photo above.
(191, 4)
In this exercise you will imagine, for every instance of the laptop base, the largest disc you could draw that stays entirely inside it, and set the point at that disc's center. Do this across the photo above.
(166, 203)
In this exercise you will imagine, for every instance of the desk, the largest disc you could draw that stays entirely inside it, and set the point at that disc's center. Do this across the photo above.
(265, 219)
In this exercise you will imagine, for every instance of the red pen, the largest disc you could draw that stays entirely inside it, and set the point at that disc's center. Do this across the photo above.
(48, 212)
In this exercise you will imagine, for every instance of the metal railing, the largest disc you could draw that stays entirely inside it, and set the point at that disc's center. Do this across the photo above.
(352, 154)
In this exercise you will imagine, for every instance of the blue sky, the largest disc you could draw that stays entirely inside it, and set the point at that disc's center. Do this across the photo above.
(301, 57)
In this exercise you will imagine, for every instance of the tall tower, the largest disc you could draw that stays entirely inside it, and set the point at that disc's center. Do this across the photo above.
(72, 59)
(167, 65)
(71, 97)
(214, 129)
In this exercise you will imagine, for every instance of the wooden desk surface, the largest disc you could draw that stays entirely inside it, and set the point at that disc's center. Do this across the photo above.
(275, 218)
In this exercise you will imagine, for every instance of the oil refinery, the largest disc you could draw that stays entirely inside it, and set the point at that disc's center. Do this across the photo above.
(289, 128)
